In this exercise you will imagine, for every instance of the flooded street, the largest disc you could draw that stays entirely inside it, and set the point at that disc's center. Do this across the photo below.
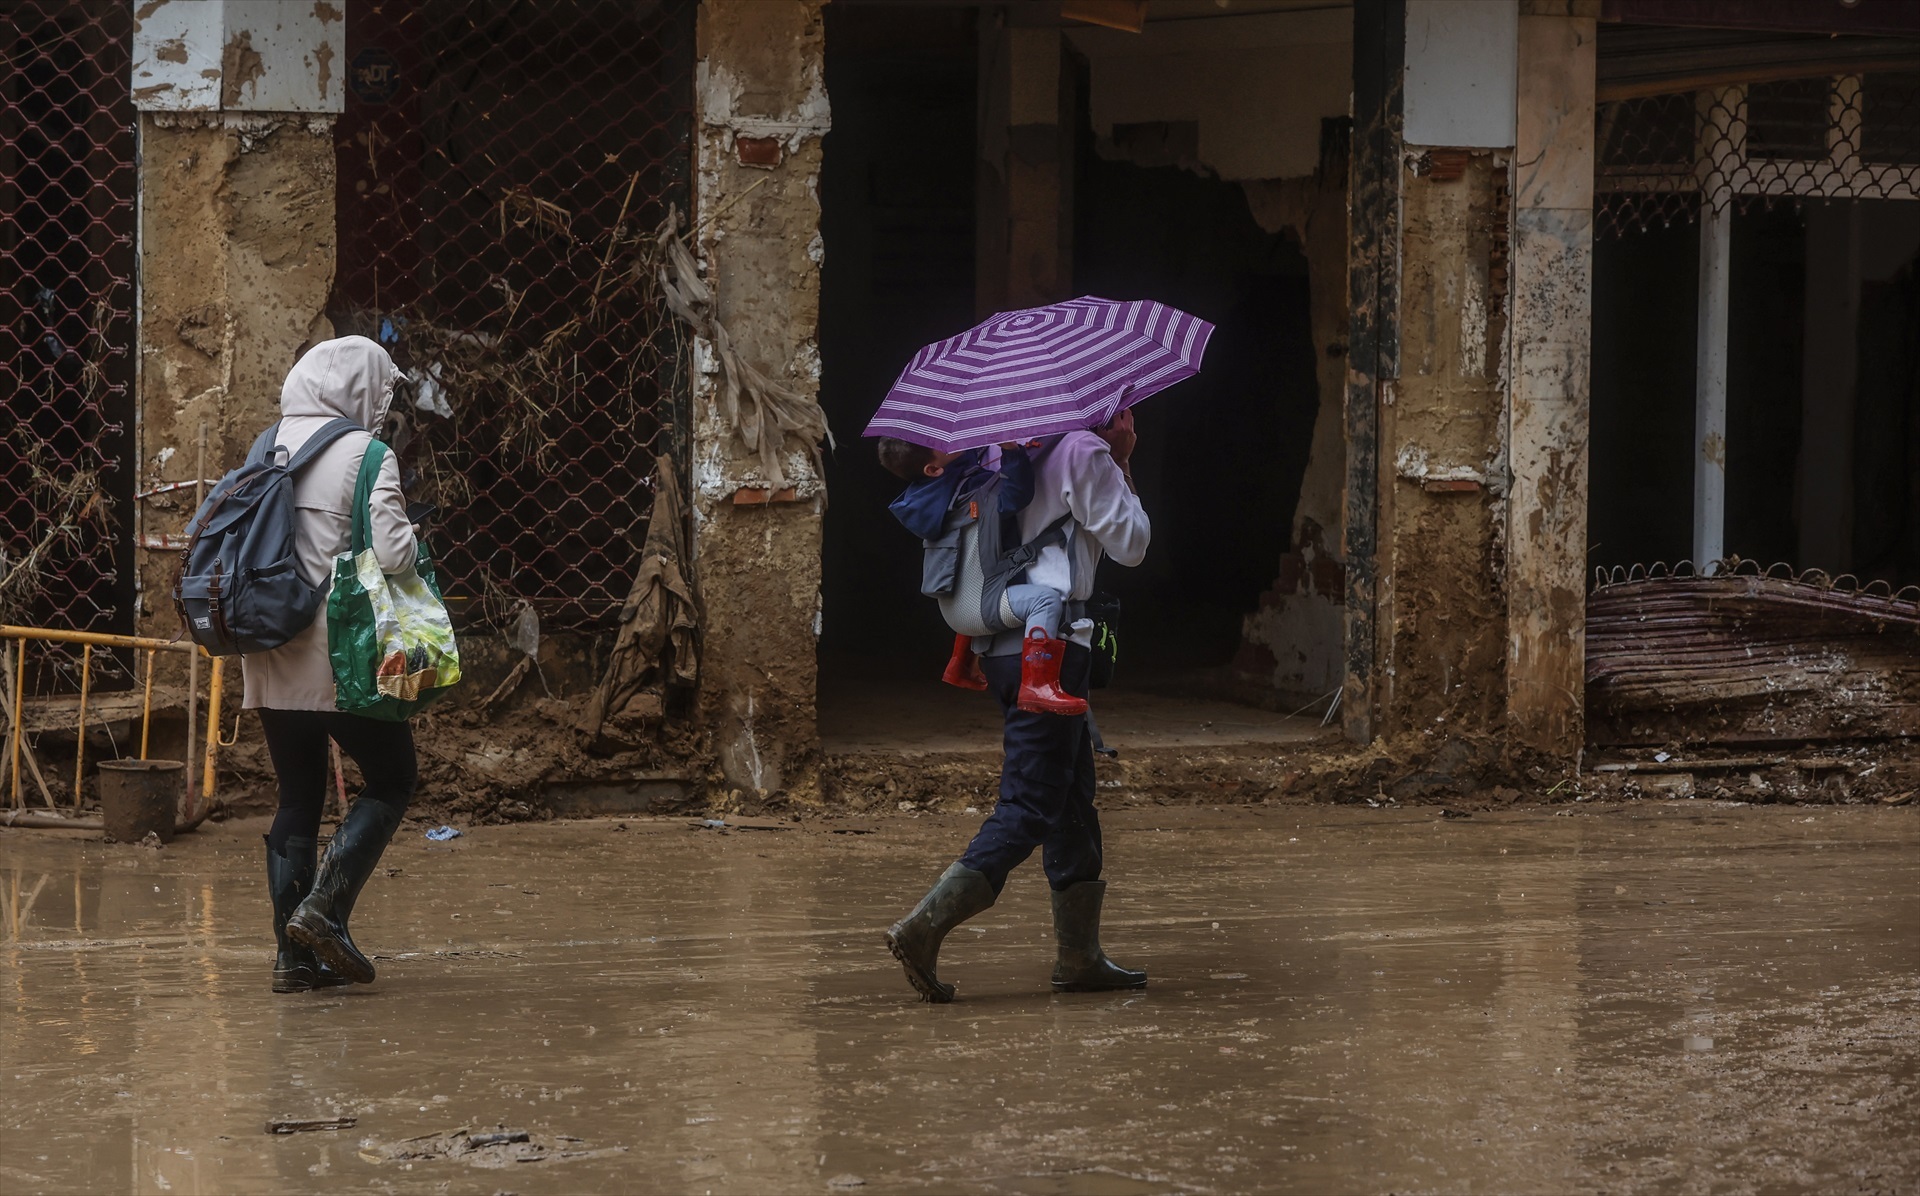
(1678, 997)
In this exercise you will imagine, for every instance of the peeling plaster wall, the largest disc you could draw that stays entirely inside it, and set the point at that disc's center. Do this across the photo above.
(239, 55)
(237, 258)
(757, 563)
(1552, 324)
(1477, 602)
(1442, 606)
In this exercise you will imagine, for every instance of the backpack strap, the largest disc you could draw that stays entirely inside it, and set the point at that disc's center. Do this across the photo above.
(263, 447)
(329, 432)
(1055, 532)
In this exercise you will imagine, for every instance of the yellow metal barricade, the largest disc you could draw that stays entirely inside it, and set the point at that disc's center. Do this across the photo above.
(149, 647)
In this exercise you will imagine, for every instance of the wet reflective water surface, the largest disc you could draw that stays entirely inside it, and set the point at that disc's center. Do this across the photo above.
(1666, 997)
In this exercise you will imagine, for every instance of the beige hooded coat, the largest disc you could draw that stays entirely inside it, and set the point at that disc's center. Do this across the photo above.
(351, 377)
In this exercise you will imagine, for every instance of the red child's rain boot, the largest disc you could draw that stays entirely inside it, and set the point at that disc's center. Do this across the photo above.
(1040, 690)
(963, 669)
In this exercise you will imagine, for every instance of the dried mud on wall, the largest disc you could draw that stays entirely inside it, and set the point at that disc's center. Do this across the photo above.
(237, 257)
(1443, 614)
(763, 110)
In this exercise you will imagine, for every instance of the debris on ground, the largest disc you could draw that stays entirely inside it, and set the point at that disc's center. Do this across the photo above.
(500, 1147)
(308, 1125)
(442, 834)
(1749, 656)
(743, 824)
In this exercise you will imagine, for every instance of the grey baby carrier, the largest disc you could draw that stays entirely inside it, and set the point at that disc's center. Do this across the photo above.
(239, 587)
(968, 568)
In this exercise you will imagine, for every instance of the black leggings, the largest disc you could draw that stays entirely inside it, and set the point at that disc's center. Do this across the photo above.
(297, 741)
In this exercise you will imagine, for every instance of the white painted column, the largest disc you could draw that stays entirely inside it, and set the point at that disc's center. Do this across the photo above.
(1723, 135)
(1710, 390)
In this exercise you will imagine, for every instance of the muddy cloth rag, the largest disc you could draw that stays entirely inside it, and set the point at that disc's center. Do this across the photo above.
(657, 645)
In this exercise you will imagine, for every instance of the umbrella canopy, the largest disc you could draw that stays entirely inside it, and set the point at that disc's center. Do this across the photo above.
(1040, 372)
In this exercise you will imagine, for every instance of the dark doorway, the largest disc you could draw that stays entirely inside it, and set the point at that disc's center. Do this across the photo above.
(1221, 455)
(896, 199)
(1645, 294)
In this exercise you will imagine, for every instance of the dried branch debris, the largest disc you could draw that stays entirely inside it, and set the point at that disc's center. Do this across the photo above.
(761, 412)
(73, 501)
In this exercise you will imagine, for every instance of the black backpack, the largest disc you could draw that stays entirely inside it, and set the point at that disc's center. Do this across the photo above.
(239, 587)
(968, 568)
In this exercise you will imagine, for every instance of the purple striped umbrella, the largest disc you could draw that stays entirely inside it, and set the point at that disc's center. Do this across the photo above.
(1040, 372)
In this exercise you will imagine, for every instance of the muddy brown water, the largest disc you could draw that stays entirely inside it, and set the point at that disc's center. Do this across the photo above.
(1673, 997)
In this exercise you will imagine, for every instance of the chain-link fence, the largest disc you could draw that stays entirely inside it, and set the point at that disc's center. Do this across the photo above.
(1659, 158)
(67, 189)
(501, 170)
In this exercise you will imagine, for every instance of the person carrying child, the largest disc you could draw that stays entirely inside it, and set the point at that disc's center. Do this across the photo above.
(1073, 503)
(937, 484)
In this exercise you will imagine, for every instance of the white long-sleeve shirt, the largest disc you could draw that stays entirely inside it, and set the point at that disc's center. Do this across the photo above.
(1076, 475)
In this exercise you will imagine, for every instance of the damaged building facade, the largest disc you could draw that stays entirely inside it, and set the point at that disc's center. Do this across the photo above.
(1506, 290)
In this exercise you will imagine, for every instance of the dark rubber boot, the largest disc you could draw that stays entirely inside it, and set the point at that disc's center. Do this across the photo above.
(289, 876)
(1083, 966)
(915, 939)
(321, 920)
(1040, 691)
(963, 668)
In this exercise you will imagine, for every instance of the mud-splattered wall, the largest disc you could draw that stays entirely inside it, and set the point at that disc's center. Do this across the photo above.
(236, 248)
(1468, 631)
(1552, 287)
(236, 236)
(762, 113)
(1442, 604)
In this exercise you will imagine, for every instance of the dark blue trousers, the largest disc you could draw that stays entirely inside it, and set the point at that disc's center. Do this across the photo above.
(1046, 784)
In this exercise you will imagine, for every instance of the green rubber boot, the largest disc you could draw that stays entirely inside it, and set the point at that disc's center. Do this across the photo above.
(289, 877)
(321, 920)
(915, 939)
(1083, 967)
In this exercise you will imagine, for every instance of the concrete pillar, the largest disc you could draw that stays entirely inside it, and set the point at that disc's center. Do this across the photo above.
(1024, 246)
(762, 111)
(1551, 287)
(1373, 280)
(1428, 370)
(237, 100)
(1470, 370)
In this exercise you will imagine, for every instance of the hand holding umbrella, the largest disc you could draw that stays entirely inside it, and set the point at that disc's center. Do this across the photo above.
(1121, 438)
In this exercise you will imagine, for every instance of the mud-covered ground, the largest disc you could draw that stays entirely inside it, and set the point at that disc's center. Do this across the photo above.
(1678, 997)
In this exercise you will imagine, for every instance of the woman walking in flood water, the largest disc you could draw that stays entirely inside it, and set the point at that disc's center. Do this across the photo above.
(292, 686)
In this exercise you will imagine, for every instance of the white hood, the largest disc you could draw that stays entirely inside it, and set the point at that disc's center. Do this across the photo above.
(351, 377)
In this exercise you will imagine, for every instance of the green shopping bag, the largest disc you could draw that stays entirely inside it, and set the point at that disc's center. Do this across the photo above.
(389, 637)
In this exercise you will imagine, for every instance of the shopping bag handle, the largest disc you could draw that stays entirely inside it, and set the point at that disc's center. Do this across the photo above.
(363, 497)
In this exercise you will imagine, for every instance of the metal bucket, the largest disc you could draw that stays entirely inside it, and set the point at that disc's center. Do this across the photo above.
(141, 797)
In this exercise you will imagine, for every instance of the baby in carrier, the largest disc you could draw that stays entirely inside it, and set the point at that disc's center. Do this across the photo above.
(937, 483)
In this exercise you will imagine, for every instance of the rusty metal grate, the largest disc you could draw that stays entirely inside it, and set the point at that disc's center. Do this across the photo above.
(1658, 158)
(501, 169)
(67, 191)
